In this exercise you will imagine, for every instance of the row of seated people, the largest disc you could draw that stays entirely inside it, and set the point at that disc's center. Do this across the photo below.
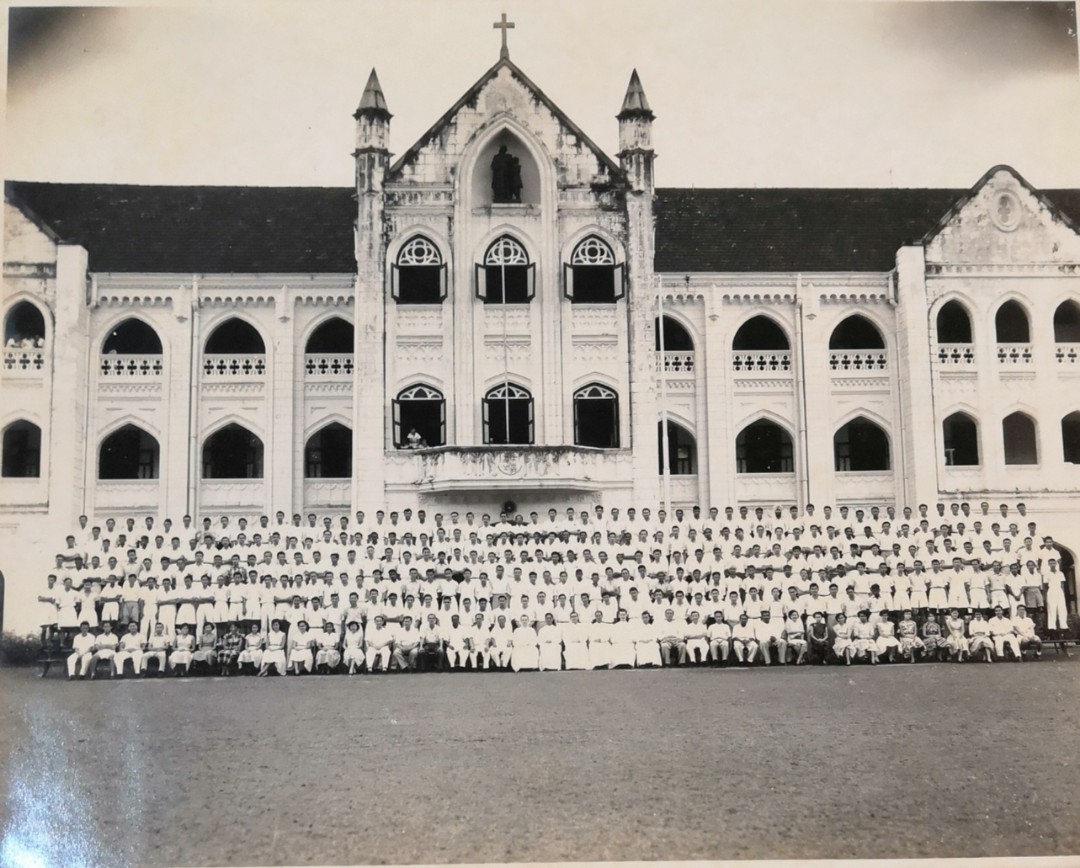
(642, 642)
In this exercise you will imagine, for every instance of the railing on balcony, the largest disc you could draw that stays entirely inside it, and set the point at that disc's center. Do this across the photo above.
(858, 361)
(956, 355)
(1067, 354)
(24, 360)
(675, 362)
(132, 366)
(328, 366)
(1014, 354)
(761, 361)
(234, 366)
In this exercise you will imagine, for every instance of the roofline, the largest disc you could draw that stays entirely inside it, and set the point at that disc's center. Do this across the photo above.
(29, 213)
(474, 89)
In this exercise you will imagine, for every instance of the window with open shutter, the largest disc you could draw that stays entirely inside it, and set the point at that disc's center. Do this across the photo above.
(506, 276)
(418, 275)
(508, 416)
(593, 276)
(419, 418)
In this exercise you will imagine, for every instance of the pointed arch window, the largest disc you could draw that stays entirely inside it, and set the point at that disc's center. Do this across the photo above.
(764, 447)
(593, 276)
(961, 437)
(508, 416)
(129, 453)
(682, 449)
(596, 417)
(419, 418)
(953, 324)
(506, 276)
(860, 445)
(328, 453)
(418, 275)
(232, 452)
(1011, 324)
(1067, 323)
(24, 326)
(1070, 438)
(1020, 439)
(22, 450)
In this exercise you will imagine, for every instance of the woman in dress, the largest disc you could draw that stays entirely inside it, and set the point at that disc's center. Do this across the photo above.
(795, 636)
(886, 636)
(933, 643)
(622, 649)
(955, 640)
(549, 637)
(842, 644)
(229, 648)
(646, 646)
(354, 647)
(207, 650)
(328, 657)
(301, 658)
(273, 650)
(864, 637)
(525, 651)
(818, 636)
(253, 648)
(182, 652)
(908, 633)
(979, 637)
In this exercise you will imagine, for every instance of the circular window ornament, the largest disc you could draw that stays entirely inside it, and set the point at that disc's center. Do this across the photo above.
(1005, 211)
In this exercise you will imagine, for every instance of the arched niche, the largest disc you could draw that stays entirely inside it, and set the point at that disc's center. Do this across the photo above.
(481, 181)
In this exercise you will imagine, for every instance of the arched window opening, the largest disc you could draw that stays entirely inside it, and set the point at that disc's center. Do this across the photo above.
(760, 333)
(505, 173)
(596, 417)
(856, 333)
(1070, 438)
(860, 445)
(961, 436)
(328, 453)
(1021, 444)
(24, 326)
(232, 452)
(132, 337)
(676, 337)
(22, 450)
(128, 453)
(764, 447)
(234, 337)
(419, 418)
(953, 324)
(1067, 323)
(335, 336)
(506, 276)
(682, 449)
(508, 416)
(418, 275)
(1011, 324)
(592, 276)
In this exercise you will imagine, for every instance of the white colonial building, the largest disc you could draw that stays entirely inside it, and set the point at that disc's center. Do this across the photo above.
(495, 296)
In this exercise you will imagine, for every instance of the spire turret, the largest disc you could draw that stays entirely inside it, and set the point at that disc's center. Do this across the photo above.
(635, 136)
(635, 105)
(373, 101)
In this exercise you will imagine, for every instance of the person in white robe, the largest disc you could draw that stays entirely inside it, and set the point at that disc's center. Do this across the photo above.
(622, 648)
(550, 638)
(646, 642)
(599, 641)
(576, 643)
(525, 649)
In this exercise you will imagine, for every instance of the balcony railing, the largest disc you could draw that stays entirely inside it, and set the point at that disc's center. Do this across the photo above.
(675, 362)
(858, 361)
(956, 355)
(328, 366)
(1067, 354)
(234, 366)
(1014, 354)
(132, 366)
(24, 360)
(761, 361)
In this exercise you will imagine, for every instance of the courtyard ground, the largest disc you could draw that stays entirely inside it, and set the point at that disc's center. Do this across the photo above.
(912, 761)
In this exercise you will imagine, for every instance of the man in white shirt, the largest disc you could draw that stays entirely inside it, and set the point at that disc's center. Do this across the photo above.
(744, 642)
(769, 634)
(1025, 631)
(719, 634)
(130, 648)
(82, 658)
(1003, 634)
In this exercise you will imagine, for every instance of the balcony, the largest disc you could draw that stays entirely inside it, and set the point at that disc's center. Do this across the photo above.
(761, 362)
(24, 361)
(129, 367)
(1014, 355)
(956, 356)
(858, 362)
(234, 366)
(675, 363)
(516, 468)
(1068, 355)
(334, 367)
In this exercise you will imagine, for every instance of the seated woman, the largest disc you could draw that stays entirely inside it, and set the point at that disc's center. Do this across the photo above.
(327, 657)
(646, 644)
(864, 637)
(525, 650)
(956, 642)
(353, 655)
(887, 642)
(907, 631)
(549, 638)
(933, 642)
(207, 650)
(818, 643)
(622, 650)
(182, 653)
(842, 644)
(301, 642)
(795, 636)
(979, 637)
(229, 648)
(253, 649)
(273, 651)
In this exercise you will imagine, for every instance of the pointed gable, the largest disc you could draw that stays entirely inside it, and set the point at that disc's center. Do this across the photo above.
(504, 90)
(1001, 220)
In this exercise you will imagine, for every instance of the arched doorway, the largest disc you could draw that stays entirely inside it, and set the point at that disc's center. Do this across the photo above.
(1067, 565)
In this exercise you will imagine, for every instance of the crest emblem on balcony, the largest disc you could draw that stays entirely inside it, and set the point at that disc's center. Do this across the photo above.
(509, 464)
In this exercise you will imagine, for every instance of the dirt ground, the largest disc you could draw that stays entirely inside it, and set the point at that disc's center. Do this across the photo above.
(925, 760)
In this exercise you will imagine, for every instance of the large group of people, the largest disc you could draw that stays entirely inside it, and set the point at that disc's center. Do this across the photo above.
(582, 589)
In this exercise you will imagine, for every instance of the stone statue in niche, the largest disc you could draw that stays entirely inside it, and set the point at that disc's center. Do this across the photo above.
(505, 177)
